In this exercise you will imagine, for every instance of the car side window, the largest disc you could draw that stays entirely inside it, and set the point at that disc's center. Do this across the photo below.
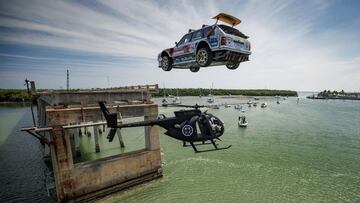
(185, 39)
(196, 35)
(208, 31)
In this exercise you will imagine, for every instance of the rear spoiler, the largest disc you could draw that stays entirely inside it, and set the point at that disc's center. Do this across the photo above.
(226, 18)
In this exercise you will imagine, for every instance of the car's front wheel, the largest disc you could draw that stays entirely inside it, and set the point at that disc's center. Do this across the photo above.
(166, 63)
(194, 69)
(204, 57)
(233, 66)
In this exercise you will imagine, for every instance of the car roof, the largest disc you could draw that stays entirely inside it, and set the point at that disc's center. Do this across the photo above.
(193, 30)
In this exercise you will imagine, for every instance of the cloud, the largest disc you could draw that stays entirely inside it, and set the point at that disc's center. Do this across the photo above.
(289, 51)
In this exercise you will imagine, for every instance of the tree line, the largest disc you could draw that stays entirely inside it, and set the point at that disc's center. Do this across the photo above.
(205, 92)
(14, 95)
(20, 95)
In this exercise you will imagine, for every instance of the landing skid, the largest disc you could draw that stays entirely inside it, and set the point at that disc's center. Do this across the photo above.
(208, 150)
(196, 144)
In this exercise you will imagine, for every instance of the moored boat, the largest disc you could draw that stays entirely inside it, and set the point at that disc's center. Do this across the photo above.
(242, 121)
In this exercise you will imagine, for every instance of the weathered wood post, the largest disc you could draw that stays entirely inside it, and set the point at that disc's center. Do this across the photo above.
(96, 137)
(152, 140)
(121, 141)
(118, 132)
(75, 132)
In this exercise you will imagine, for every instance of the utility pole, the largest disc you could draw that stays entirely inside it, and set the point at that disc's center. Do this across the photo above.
(67, 80)
(31, 100)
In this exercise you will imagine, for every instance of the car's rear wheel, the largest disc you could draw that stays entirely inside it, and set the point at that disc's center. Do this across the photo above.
(204, 57)
(166, 63)
(194, 69)
(233, 66)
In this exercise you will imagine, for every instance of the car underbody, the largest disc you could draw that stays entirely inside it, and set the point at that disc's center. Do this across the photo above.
(222, 57)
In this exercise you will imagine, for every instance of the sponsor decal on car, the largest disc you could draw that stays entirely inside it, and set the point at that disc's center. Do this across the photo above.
(213, 41)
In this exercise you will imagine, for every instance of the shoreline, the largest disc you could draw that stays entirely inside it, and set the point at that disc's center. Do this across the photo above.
(335, 98)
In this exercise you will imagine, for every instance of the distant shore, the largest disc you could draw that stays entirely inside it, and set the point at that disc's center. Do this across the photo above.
(21, 95)
(341, 98)
(223, 92)
(342, 95)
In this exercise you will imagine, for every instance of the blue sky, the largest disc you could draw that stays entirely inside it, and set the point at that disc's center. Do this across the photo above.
(299, 45)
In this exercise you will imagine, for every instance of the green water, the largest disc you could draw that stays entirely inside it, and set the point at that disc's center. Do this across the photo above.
(10, 115)
(306, 152)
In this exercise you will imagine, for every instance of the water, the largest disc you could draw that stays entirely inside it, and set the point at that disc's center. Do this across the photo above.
(22, 167)
(306, 152)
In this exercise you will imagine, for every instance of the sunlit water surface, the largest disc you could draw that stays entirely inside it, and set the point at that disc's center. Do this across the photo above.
(290, 152)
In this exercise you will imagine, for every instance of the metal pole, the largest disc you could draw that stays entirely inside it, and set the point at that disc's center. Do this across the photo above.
(31, 101)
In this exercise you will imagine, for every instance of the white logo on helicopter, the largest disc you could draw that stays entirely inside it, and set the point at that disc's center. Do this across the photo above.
(187, 130)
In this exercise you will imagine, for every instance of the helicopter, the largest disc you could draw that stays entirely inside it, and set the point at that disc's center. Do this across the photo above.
(192, 126)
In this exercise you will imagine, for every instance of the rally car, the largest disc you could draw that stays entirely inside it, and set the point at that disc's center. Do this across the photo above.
(213, 45)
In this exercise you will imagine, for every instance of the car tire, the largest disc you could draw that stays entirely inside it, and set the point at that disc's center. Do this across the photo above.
(233, 66)
(168, 63)
(194, 69)
(204, 57)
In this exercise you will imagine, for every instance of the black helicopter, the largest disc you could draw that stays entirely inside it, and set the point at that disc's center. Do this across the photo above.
(188, 125)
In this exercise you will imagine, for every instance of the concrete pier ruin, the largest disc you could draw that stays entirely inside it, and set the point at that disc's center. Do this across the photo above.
(61, 115)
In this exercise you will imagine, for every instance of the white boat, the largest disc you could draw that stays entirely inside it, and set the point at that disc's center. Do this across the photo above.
(210, 99)
(264, 105)
(227, 105)
(242, 121)
(176, 100)
(164, 102)
(249, 102)
(238, 107)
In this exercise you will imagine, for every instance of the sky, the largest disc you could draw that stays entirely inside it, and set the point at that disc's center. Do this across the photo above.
(297, 45)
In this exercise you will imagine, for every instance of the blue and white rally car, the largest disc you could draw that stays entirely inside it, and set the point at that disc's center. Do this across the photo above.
(209, 46)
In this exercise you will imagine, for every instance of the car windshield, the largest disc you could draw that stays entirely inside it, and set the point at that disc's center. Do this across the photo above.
(232, 31)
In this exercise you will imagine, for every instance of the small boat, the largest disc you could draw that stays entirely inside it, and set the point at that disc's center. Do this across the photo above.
(249, 102)
(164, 102)
(210, 99)
(263, 105)
(238, 107)
(243, 110)
(278, 102)
(242, 121)
(255, 104)
(176, 100)
(256, 98)
(227, 105)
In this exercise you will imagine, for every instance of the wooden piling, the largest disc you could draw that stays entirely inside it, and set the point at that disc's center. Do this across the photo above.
(96, 137)
(75, 132)
(121, 141)
(118, 132)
